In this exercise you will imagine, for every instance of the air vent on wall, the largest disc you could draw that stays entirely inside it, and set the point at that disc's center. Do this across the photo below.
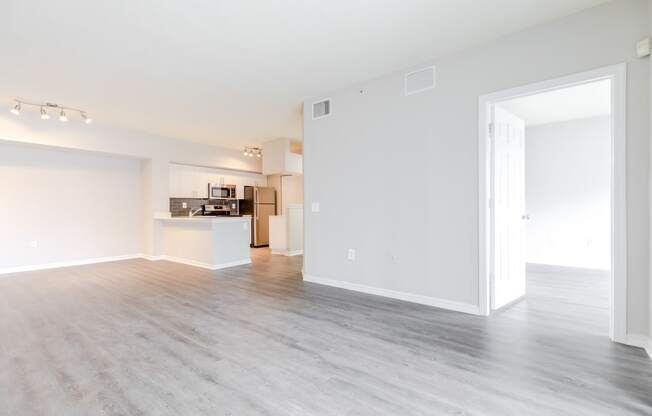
(321, 108)
(419, 81)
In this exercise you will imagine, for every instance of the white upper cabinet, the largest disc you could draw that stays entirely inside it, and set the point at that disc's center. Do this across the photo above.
(184, 183)
(192, 181)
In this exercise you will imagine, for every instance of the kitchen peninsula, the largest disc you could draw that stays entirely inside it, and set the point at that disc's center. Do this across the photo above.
(209, 242)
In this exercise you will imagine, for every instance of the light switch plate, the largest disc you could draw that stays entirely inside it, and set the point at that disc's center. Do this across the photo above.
(315, 207)
(643, 47)
(351, 254)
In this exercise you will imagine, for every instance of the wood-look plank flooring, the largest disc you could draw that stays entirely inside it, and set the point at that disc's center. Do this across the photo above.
(159, 338)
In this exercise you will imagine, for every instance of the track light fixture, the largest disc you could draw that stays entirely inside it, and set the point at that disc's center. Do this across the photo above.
(252, 151)
(16, 109)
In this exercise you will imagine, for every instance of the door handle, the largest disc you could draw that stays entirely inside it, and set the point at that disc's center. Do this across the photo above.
(525, 217)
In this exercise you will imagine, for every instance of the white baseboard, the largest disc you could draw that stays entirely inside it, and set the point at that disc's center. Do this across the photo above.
(408, 297)
(70, 263)
(641, 341)
(551, 268)
(198, 263)
(285, 252)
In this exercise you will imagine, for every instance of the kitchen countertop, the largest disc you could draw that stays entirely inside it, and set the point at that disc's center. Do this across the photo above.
(205, 218)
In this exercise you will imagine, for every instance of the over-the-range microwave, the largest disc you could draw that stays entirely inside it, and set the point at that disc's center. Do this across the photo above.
(217, 191)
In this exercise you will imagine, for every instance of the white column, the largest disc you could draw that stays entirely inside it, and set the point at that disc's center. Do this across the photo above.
(649, 273)
(156, 202)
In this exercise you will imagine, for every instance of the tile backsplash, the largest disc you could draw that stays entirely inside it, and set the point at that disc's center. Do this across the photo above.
(176, 205)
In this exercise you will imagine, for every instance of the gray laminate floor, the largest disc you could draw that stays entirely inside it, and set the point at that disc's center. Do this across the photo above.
(158, 338)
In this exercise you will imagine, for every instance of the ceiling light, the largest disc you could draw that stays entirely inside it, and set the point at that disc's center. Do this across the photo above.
(252, 151)
(45, 106)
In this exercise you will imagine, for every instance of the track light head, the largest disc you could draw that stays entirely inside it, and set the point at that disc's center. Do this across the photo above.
(16, 109)
(87, 119)
(62, 116)
(44, 114)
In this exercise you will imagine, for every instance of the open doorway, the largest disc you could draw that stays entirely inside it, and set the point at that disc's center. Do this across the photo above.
(552, 176)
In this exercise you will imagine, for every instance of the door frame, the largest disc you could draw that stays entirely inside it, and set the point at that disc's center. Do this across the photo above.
(618, 276)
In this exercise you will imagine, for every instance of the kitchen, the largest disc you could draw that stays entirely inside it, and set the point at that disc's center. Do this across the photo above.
(218, 217)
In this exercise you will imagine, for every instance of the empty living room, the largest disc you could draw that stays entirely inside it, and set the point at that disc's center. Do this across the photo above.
(171, 243)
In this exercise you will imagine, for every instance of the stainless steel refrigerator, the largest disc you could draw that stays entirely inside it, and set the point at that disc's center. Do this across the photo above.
(260, 203)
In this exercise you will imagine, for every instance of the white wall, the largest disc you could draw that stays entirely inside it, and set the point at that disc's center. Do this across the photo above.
(275, 154)
(292, 190)
(567, 190)
(75, 205)
(280, 159)
(157, 153)
(289, 190)
(409, 165)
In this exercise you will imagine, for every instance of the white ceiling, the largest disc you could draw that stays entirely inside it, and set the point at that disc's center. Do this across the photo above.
(232, 72)
(582, 101)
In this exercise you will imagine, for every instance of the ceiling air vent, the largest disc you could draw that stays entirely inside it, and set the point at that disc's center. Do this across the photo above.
(321, 108)
(419, 81)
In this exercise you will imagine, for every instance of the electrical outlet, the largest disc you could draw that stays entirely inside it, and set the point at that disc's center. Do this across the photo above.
(315, 207)
(33, 244)
(184, 205)
(351, 254)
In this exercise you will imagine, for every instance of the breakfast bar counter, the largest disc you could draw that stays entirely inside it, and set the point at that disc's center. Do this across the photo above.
(209, 242)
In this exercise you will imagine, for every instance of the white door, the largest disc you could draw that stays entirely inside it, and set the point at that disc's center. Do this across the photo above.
(508, 208)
